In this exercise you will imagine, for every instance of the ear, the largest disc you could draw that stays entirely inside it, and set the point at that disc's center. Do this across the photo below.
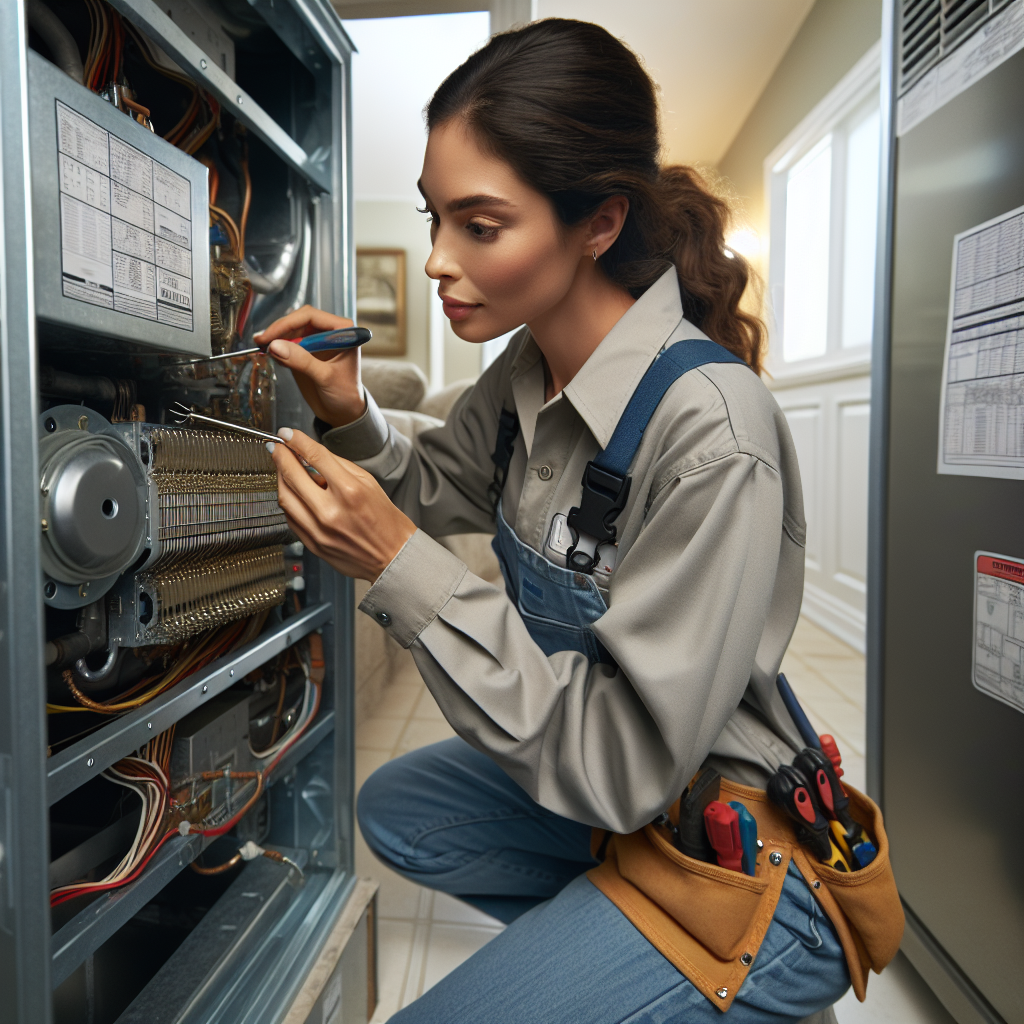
(605, 225)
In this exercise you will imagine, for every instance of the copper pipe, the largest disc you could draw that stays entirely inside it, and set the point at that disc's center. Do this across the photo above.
(219, 869)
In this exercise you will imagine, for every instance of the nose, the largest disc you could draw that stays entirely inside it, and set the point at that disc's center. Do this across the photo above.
(440, 263)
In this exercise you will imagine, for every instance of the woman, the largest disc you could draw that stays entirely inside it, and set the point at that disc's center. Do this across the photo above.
(645, 612)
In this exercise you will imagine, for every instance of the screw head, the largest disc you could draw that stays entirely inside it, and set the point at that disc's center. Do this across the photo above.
(149, 725)
(775, 858)
(205, 687)
(722, 992)
(231, 672)
(202, 64)
(240, 100)
(746, 959)
(90, 762)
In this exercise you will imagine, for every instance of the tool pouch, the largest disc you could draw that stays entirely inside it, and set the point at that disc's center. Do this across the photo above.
(864, 906)
(709, 922)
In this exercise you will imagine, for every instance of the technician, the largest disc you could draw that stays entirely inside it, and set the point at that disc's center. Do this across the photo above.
(649, 599)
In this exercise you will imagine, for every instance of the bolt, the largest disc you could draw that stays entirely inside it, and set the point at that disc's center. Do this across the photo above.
(775, 858)
(205, 687)
(90, 762)
(240, 100)
(149, 725)
(231, 673)
(202, 64)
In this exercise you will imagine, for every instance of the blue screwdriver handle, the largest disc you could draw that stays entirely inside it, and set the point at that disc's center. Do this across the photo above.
(802, 722)
(336, 341)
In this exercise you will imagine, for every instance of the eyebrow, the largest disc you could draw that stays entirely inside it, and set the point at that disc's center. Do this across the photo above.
(467, 202)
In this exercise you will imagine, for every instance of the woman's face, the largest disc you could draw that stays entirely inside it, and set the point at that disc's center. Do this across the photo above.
(500, 255)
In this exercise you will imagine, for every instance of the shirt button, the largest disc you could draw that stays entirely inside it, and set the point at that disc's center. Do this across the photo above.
(544, 472)
(383, 618)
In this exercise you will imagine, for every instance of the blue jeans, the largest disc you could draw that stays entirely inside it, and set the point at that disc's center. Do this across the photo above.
(447, 817)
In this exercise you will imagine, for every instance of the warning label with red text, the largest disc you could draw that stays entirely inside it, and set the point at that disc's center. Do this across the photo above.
(999, 627)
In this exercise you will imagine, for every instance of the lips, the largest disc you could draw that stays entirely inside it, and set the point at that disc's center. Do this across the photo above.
(456, 310)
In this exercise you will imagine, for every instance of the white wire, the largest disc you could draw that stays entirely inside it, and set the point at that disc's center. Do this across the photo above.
(300, 723)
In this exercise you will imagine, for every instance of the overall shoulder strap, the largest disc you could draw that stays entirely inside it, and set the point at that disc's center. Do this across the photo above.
(504, 445)
(605, 480)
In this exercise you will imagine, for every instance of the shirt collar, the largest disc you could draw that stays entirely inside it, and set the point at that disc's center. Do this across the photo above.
(605, 383)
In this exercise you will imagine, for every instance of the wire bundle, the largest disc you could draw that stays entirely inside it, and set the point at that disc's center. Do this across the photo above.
(186, 658)
(146, 776)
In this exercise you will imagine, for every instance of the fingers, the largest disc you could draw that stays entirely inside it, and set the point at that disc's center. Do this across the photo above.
(298, 360)
(307, 320)
(290, 469)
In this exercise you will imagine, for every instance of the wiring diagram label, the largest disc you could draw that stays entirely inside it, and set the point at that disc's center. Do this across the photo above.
(125, 225)
(998, 663)
(981, 414)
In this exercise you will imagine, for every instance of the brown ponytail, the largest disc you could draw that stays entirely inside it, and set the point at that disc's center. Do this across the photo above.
(574, 112)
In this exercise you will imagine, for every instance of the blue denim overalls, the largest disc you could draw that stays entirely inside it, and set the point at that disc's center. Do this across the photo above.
(559, 605)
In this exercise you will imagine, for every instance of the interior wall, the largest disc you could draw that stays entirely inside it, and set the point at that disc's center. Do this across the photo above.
(395, 224)
(833, 37)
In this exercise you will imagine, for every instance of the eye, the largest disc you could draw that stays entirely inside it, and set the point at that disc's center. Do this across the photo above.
(483, 231)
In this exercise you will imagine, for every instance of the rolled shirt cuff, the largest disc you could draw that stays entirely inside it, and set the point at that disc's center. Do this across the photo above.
(415, 586)
(361, 439)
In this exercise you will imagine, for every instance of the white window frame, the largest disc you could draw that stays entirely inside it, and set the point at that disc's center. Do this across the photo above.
(852, 92)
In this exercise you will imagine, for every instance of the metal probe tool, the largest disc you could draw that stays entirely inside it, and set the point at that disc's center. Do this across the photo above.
(325, 341)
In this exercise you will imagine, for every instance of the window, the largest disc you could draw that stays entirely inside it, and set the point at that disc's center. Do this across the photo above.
(824, 213)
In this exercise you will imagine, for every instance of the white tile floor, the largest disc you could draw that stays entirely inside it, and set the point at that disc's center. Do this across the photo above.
(423, 935)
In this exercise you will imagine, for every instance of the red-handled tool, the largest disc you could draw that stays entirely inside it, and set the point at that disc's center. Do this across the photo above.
(723, 826)
(851, 838)
(828, 745)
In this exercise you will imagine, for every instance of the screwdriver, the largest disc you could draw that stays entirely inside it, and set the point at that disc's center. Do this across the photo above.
(325, 341)
(723, 825)
(789, 790)
(850, 836)
(748, 836)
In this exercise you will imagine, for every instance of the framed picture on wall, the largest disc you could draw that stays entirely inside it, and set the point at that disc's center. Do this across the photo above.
(380, 299)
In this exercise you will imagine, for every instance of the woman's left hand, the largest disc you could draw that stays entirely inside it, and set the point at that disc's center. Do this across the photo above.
(347, 519)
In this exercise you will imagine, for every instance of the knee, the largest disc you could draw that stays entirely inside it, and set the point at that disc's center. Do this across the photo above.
(380, 807)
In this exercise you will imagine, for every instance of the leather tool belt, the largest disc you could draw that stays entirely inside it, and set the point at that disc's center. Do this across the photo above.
(709, 922)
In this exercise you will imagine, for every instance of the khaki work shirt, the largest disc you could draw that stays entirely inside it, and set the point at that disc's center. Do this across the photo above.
(702, 602)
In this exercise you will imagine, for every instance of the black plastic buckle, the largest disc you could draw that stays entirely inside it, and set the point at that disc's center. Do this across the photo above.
(604, 497)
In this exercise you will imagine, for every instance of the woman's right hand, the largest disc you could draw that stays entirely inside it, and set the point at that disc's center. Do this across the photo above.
(329, 381)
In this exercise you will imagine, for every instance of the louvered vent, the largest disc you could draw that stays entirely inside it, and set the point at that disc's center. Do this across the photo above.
(931, 29)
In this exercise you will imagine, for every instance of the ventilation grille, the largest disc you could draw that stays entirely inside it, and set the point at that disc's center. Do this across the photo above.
(931, 29)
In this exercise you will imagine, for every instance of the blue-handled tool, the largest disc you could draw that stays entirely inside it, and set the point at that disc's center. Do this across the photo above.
(325, 341)
(802, 722)
(748, 836)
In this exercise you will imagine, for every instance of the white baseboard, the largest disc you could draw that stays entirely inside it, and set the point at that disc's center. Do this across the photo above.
(842, 620)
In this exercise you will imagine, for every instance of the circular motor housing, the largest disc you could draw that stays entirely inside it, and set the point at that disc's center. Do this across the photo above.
(93, 511)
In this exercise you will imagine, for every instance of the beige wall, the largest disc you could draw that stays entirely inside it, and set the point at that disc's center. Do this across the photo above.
(836, 34)
(397, 225)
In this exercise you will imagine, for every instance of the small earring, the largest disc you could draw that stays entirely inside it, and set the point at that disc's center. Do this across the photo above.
(595, 255)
